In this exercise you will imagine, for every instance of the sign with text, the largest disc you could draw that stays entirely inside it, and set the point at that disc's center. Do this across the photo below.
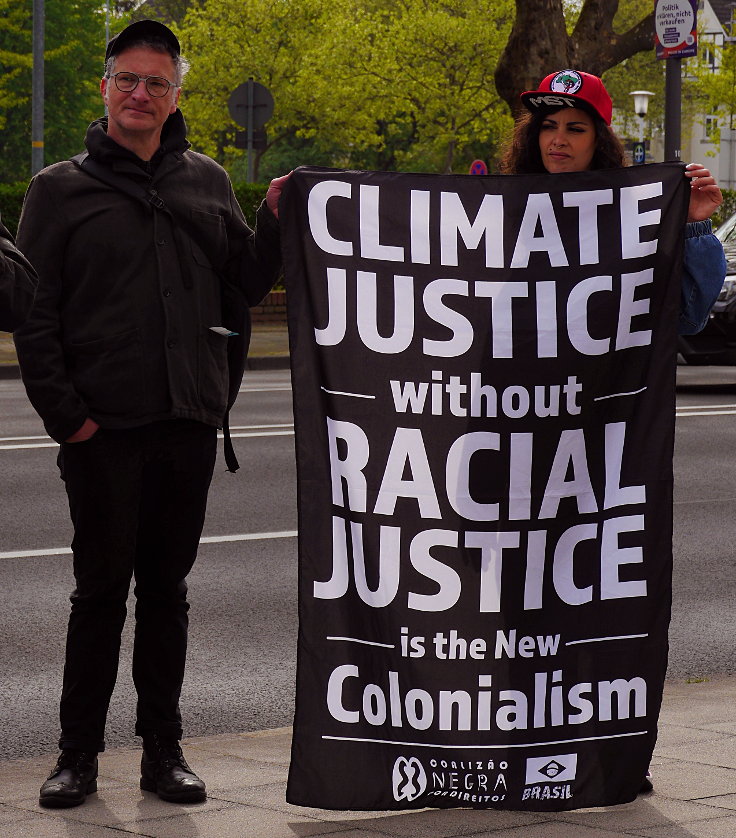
(676, 28)
(483, 373)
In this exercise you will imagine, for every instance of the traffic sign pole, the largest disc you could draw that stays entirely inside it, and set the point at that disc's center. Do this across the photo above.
(250, 130)
(672, 109)
(676, 37)
(37, 104)
(250, 106)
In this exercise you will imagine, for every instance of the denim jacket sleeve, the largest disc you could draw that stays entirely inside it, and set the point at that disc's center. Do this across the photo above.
(703, 272)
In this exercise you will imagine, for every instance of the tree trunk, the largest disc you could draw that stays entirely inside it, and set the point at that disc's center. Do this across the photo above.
(450, 156)
(539, 44)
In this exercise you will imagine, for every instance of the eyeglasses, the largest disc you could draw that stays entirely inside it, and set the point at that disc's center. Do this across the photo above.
(156, 86)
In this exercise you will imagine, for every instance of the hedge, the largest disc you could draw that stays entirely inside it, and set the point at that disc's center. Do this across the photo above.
(249, 197)
(11, 200)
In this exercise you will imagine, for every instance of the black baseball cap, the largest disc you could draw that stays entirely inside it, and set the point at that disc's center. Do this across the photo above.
(142, 30)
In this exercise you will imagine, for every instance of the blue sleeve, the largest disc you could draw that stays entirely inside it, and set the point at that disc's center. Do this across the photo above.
(703, 272)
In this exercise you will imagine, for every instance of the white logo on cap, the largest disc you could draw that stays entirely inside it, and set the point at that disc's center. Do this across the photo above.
(552, 101)
(568, 81)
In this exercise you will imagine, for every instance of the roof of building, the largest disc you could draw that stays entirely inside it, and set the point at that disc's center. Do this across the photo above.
(722, 9)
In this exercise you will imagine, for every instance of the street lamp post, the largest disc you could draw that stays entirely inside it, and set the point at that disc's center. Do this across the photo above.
(641, 105)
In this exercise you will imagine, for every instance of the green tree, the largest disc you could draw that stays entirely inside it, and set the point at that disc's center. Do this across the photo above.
(167, 11)
(375, 84)
(543, 40)
(640, 71)
(74, 53)
(643, 71)
(418, 79)
(713, 82)
(227, 45)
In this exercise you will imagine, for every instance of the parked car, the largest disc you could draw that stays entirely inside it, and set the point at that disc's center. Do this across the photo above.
(716, 344)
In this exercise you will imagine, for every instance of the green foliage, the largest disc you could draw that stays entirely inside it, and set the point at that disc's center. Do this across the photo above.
(369, 84)
(74, 50)
(571, 10)
(291, 151)
(226, 47)
(11, 201)
(249, 197)
(643, 71)
(726, 209)
(425, 71)
(167, 11)
(716, 91)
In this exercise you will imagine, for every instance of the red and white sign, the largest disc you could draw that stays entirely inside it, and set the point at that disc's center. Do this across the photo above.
(676, 28)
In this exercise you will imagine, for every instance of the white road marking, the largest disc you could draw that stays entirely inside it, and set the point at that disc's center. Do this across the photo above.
(14, 443)
(236, 431)
(254, 427)
(207, 539)
(704, 411)
(30, 445)
(260, 433)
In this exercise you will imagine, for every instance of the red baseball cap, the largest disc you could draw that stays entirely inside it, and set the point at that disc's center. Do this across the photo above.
(572, 89)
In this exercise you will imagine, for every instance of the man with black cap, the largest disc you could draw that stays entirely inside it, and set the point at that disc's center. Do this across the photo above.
(143, 257)
(17, 283)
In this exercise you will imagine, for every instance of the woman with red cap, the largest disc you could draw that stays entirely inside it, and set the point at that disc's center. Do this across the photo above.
(568, 129)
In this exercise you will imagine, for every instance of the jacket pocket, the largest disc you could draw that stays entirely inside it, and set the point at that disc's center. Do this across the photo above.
(209, 246)
(212, 373)
(108, 373)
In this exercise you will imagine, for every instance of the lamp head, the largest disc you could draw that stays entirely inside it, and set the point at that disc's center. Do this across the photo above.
(641, 101)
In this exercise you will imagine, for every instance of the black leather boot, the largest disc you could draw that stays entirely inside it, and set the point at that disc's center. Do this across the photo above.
(73, 778)
(165, 771)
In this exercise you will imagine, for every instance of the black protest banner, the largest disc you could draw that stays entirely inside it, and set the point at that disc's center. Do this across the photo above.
(483, 373)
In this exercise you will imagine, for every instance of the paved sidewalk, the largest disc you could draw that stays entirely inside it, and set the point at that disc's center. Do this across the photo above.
(694, 775)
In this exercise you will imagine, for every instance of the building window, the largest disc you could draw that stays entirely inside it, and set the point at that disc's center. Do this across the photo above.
(711, 128)
(709, 56)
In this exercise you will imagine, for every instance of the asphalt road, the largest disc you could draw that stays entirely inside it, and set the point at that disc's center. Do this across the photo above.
(243, 590)
(241, 665)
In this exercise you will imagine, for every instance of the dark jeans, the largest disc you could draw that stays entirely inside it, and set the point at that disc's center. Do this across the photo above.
(137, 500)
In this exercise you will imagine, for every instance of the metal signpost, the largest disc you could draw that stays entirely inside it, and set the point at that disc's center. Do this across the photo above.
(676, 29)
(39, 14)
(250, 106)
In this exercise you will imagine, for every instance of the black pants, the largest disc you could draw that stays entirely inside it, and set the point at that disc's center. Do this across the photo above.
(137, 500)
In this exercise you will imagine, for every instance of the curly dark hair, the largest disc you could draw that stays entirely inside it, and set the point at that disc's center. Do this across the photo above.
(522, 155)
